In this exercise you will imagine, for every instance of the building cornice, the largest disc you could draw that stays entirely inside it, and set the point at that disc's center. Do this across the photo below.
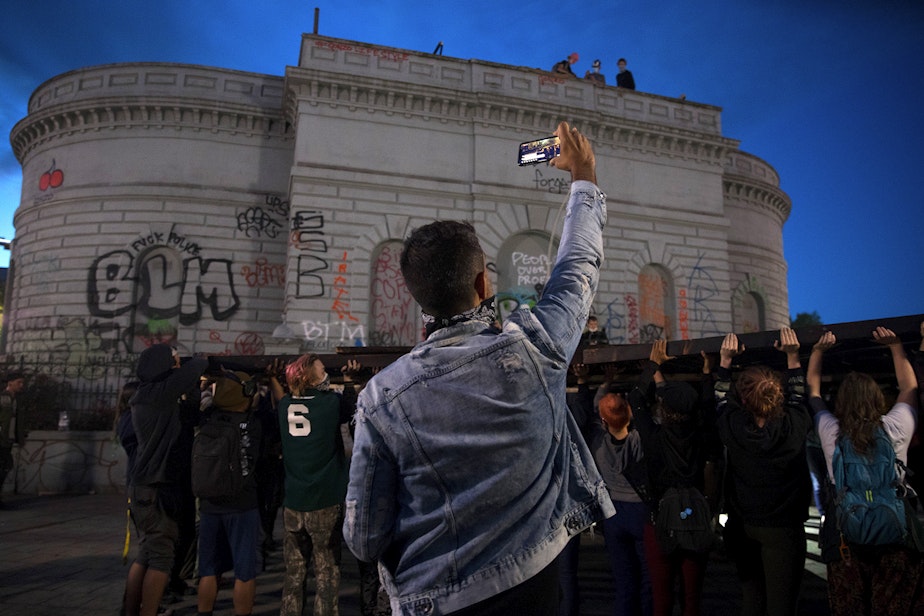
(399, 99)
(744, 190)
(152, 96)
(349, 76)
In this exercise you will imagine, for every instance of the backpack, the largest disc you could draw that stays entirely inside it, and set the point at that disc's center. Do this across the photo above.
(683, 521)
(217, 471)
(867, 504)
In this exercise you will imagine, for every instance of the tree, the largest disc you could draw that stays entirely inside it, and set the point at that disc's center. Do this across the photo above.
(805, 319)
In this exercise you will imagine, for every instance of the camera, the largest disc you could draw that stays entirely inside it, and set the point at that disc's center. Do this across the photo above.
(539, 151)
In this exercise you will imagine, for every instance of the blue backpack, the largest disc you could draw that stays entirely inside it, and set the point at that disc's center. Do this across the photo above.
(868, 508)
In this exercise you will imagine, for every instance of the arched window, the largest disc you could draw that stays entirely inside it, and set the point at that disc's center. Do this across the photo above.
(656, 304)
(523, 265)
(748, 313)
(394, 315)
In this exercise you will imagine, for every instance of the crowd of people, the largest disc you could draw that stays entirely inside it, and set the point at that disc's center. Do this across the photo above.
(475, 470)
(742, 442)
(624, 78)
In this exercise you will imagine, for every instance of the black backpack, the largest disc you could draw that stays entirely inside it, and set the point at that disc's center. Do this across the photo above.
(683, 521)
(219, 462)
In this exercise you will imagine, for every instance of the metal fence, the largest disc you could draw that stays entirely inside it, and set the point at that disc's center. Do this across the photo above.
(64, 394)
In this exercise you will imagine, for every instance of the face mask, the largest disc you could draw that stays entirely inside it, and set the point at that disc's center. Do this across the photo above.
(325, 384)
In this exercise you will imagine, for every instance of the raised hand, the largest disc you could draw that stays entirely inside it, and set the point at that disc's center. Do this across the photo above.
(827, 340)
(576, 156)
(659, 352)
(788, 342)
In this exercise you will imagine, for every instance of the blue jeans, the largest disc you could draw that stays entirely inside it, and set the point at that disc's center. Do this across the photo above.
(624, 534)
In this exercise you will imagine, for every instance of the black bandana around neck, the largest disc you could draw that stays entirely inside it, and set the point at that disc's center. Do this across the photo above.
(484, 312)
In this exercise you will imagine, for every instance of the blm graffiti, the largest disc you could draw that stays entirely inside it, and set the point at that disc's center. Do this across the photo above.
(161, 282)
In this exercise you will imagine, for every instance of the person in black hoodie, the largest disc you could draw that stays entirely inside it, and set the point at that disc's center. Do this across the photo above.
(764, 427)
(153, 489)
(666, 415)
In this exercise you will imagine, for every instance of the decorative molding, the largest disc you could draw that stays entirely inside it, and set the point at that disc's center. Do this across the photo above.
(152, 96)
(742, 190)
(147, 115)
(398, 99)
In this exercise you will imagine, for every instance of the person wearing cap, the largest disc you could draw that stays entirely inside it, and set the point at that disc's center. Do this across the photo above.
(624, 78)
(154, 485)
(595, 75)
(234, 521)
(564, 67)
(667, 416)
(764, 423)
(12, 426)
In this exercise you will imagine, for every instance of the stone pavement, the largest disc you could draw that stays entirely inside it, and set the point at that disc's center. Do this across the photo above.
(62, 555)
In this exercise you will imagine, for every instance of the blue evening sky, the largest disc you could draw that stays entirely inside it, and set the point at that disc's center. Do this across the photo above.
(829, 92)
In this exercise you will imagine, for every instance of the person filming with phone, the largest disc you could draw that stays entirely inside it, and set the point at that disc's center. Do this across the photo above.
(469, 474)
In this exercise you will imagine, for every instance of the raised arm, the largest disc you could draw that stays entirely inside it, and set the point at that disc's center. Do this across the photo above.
(564, 306)
(576, 154)
(813, 376)
(348, 398)
(658, 355)
(789, 343)
(277, 371)
(729, 350)
(904, 373)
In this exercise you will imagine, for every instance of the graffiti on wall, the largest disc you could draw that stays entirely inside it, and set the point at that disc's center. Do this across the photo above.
(246, 343)
(701, 290)
(266, 220)
(264, 274)
(159, 282)
(613, 321)
(117, 285)
(341, 303)
(530, 270)
(632, 318)
(308, 238)
(88, 347)
(548, 183)
(337, 333)
(53, 178)
(385, 54)
(52, 463)
(654, 306)
(393, 318)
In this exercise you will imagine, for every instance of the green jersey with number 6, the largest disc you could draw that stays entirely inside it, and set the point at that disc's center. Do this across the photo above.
(312, 449)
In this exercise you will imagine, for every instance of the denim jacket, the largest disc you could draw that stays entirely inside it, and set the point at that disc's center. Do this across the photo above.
(469, 474)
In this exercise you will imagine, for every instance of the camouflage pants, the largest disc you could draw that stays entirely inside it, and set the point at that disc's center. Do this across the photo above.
(314, 534)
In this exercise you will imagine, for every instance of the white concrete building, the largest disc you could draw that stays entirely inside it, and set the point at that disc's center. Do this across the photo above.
(239, 213)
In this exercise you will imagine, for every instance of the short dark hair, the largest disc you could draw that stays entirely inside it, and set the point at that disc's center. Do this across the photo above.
(621, 60)
(14, 376)
(439, 263)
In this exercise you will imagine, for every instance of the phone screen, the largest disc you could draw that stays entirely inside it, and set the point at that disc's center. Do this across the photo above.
(539, 151)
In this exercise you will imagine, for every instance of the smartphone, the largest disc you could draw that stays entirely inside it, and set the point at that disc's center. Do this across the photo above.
(539, 151)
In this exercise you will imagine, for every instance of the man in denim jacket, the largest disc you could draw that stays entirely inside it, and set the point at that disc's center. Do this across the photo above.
(469, 474)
